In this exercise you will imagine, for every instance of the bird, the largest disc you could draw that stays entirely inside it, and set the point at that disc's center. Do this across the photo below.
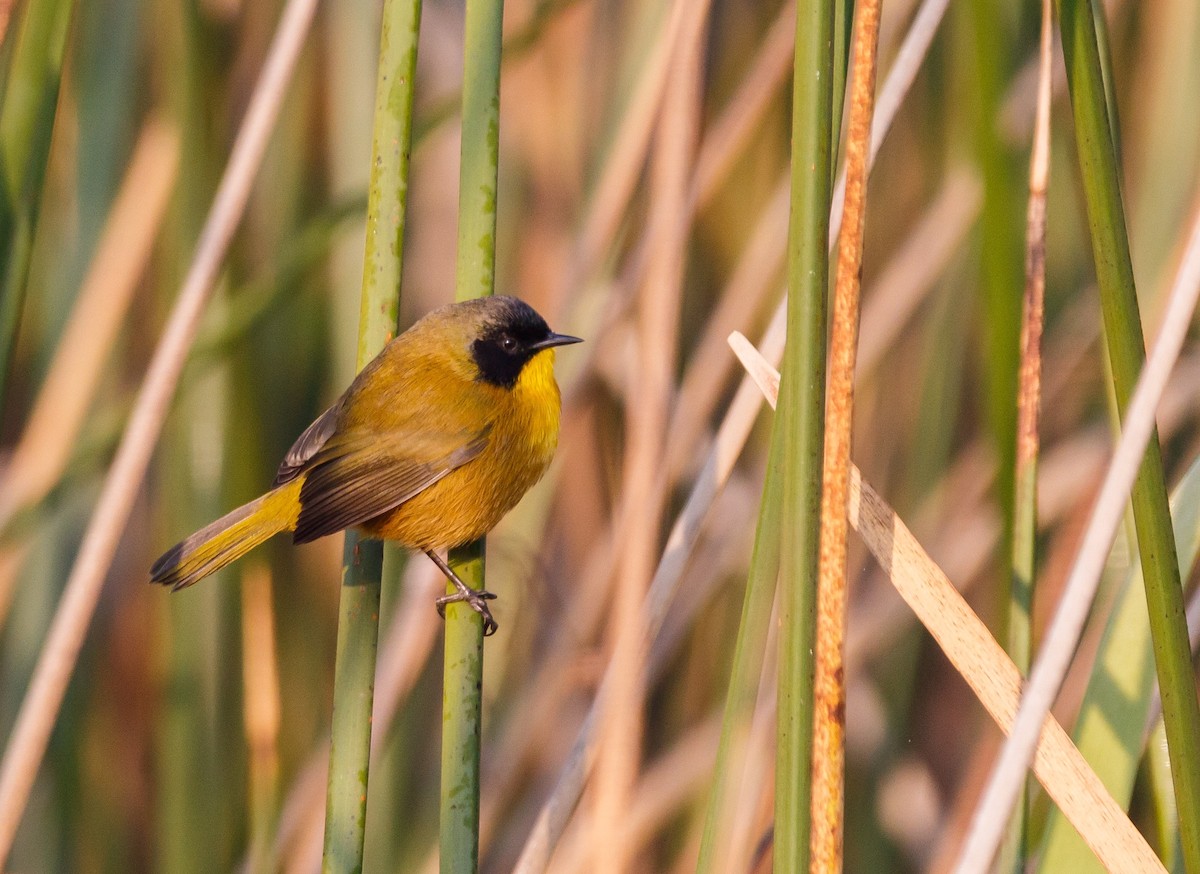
(435, 440)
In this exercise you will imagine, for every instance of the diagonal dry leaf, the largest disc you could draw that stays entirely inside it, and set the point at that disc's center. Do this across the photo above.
(970, 647)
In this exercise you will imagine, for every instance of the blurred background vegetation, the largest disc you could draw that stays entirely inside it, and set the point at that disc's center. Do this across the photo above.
(194, 732)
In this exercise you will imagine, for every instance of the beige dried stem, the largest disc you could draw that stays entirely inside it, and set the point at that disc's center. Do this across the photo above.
(39, 709)
(619, 180)
(1018, 636)
(981, 661)
(649, 400)
(1065, 628)
(261, 708)
(667, 785)
(729, 440)
(45, 445)
(829, 684)
(6, 8)
(121, 256)
(733, 129)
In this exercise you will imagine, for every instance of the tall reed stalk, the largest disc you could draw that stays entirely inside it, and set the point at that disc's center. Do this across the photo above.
(829, 683)
(358, 612)
(475, 277)
(798, 425)
(1126, 354)
(1018, 628)
(37, 40)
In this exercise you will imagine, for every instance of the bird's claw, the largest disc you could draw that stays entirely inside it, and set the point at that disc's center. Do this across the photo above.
(477, 600)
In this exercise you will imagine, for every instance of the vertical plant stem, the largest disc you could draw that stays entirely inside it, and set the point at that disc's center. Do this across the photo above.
(475, 273)
(990, 61)
(26, 124)
(843, 31)
(260, 677)
(643, 488)
(353, 696)
(461, 721)
(1104, 46)
(358, 612)
(798, 425)
(742, 696)
(1029, 396)
(1139, 440)
(475, 276)
(40, 706)
(829, 688)
(1126, 353)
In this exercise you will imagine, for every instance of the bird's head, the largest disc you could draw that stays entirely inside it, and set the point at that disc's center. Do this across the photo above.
(506, 334)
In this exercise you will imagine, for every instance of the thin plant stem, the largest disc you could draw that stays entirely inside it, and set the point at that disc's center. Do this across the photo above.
(353, 697)
(980, 660)
(1029, 397)
(104, 296)
(798, 426)
(475, 276)
(1136, 464)
(748, 652)
(27, 111)
(644, 494)
(731, 436)
(829, 687)
(39, 709)
(462, 719)
(362, 574)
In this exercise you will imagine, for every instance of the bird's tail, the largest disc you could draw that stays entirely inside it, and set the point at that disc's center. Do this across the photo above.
(227, 539)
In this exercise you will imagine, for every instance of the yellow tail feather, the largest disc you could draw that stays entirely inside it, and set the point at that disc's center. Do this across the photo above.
(228, 538)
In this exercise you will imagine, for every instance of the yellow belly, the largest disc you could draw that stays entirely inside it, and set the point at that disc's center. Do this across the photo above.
(469, 501)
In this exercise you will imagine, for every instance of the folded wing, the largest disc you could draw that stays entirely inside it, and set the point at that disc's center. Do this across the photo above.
(349, 482)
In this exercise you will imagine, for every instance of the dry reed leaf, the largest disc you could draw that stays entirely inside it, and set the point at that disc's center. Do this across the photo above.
(643, 492)
(56, 661)
(667, 784)
(51, 432)
(1062, 637)
(982, 662)
(104, 297)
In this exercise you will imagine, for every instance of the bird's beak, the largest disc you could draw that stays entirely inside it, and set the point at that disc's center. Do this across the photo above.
(555, 340)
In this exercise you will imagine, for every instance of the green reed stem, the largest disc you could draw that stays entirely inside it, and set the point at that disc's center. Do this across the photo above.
(1126, 353)
(798, 425)
(358, 612)
(462, 716)
(37, 37)
(744, 678)
(475, 277)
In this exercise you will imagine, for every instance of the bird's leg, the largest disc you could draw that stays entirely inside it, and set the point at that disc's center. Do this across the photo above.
(476, 598)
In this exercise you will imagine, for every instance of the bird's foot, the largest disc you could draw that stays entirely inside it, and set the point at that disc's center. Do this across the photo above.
(477, 600)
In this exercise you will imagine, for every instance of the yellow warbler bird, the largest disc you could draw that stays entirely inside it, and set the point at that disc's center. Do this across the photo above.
(435, 440)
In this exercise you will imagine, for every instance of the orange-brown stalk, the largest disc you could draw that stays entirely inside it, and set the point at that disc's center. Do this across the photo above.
(829, 688)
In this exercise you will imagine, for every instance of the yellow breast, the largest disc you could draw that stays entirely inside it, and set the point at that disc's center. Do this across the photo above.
(469, 501)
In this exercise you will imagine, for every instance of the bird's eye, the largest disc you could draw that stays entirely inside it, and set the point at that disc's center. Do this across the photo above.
(508, 343)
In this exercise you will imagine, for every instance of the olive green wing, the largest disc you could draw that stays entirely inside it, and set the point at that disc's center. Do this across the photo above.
(308, 444)
(349, 482)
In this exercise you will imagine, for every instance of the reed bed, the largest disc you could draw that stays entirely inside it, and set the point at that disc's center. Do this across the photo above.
(182, 265)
